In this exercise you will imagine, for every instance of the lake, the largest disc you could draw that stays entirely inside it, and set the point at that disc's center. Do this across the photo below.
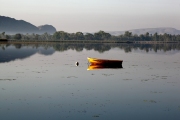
(42, 82)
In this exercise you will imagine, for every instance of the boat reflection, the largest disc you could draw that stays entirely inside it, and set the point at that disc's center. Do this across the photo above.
(98, 67)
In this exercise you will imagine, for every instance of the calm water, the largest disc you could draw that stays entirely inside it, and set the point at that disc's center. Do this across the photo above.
(41, 82)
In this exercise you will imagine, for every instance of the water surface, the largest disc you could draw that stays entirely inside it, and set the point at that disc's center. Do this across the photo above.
(41, 81)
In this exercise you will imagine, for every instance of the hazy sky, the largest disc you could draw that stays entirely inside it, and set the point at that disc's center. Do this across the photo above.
(95, 15)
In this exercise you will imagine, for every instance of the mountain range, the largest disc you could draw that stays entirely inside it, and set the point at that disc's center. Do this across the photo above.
(13, 26)
(161, 30)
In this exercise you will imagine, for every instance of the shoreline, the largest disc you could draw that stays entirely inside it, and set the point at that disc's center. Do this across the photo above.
(87, 41)
(65, 41)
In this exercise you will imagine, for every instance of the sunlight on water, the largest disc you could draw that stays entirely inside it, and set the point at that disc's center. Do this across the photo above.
(42, 82)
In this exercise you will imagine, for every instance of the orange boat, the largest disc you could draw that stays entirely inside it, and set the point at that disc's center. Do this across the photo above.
(104, 62)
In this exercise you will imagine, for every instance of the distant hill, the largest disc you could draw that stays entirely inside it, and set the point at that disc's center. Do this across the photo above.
(47, 28)
(167, 30)
(13, 26)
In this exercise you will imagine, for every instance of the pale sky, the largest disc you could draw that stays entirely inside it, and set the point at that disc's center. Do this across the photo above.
(95, 15)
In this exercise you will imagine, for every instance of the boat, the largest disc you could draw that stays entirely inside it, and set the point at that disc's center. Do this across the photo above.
(104, 62)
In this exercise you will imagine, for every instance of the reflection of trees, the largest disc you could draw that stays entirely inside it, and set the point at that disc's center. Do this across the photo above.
(79, 47)
(149, 47)
(127, 49)
(18, 46)
(96, 47)
(101, 47)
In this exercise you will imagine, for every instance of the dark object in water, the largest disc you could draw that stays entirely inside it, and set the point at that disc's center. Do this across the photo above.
(77, 63)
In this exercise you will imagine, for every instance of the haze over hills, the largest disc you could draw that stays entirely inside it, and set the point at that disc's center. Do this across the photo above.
(13, 26)
(161, 30)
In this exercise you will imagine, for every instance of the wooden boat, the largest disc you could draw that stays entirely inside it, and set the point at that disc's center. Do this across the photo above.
(104, 62)
(97, 67)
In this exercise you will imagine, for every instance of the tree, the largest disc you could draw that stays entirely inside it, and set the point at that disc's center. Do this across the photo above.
(155, 36)
(37, 37)
(45, 35)
(165, 37)
(106, 36)
(2, 35)
(61, 35)
(135, 37)
(64, 35)
(142, 37)
(79, 36)
(89, 36)
(56, 35)
(17, 36)
(72, 36)
(128, 35)
(147, 36)
(97, 36)
(101, 35)
(7, 36)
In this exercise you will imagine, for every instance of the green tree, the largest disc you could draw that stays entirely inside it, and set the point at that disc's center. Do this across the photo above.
(46, 36)
(155, 36)
(72, 36)
(135, 37)
(2, 35)
(101, 35)
(61, 35)
(56, 35)
(89, 36)
(142, 37)
(128, 35)
(147, 36)
(17, 36)
(106, 36)
(37, 37)
(97, 36)
(7, 36)
(79, 36)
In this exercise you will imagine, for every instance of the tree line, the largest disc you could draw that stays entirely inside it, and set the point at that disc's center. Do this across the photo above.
(101, 35)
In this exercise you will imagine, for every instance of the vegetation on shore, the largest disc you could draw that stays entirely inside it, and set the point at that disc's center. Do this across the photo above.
(101, 35)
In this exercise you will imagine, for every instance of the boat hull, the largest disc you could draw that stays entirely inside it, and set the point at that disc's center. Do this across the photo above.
(97, 67)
